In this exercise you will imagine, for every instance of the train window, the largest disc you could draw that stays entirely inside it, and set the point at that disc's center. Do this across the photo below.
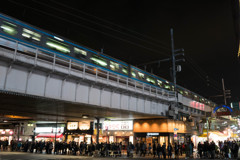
(159, 83)
(186, 92)
(9, 28)
(99, 61)
(124, 70)
(114, 66)
(181, 92)
(58, 46)
(80, 52)
(133, 74)
(141, 75)
(167, 86)
(172, 88)
(151, 80)
(28, 34)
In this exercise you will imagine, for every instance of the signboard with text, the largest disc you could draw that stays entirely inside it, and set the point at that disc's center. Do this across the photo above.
(117, 125)
(72, 125)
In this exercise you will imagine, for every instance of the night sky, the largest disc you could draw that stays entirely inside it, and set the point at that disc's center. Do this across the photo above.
(138, 31)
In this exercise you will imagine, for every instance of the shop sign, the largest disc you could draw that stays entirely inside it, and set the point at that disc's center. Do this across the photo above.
(84, 125)
(175, 136)
(49, 130)
(152, 134)
(72, 125)
(117, 125)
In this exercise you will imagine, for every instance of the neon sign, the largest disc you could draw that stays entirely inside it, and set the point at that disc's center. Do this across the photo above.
(222, 106)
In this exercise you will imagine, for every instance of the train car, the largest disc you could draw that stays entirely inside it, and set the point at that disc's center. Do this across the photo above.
(28, 34)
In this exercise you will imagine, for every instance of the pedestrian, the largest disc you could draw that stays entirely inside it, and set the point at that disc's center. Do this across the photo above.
(159, 151)
(154, 149)
(169, 150)
(164, 150)
(176, 149)
(143, 149)
(149, 149)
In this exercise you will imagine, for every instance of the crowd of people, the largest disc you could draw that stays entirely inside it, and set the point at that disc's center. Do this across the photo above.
(163, 151)
(226, 149)
(101, 149)
(71, 148)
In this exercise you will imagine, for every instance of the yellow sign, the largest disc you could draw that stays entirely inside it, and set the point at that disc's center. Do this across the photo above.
(84, 125)
(72, 125)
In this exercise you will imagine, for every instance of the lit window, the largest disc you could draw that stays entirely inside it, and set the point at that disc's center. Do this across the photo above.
(56, 45)
(186, 92)
(31, 35)
(141, 75)
(181, 92)
(9, 28)
(133, 74)
(99, 61)
(151, 80)
(114, 66)
(166, 86)
(124, 70)
(159, 83)
(80, 52)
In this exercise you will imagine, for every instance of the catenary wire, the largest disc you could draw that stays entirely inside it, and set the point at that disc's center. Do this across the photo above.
(130, 42)
(102, 25)
(119, 26)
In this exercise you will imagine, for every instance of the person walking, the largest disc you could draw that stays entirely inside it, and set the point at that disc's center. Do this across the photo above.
(149, 149)
(143, 149)
(169, 150)
(154, 149)
(159, 151)
(164, 150)
(176, 149)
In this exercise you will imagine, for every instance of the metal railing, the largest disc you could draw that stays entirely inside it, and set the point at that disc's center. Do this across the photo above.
(100, 75)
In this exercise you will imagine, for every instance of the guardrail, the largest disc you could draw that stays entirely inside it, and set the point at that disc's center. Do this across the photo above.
(100, 75)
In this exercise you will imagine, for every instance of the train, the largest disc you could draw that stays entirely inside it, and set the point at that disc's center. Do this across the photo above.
(21, 31)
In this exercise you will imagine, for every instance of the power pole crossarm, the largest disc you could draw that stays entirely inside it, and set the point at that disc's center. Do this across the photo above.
(173, 61)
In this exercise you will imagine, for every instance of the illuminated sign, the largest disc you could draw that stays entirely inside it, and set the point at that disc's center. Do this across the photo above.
(49, 130)
(72, 125)
(118, 125)
(152, 134)
(197, 105)
(84, 125)
(222, 106)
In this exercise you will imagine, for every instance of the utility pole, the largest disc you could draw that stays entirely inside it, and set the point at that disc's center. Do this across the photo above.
(226, 93)
(173, 63)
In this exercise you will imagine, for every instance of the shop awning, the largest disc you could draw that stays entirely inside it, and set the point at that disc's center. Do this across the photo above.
(49, 135)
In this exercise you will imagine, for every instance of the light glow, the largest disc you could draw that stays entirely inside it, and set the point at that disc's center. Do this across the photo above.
(58, 47)
(60, 39)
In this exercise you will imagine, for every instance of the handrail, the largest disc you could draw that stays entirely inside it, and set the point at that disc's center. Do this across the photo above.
(67, 62)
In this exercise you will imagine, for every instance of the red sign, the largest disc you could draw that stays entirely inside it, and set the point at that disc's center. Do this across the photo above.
(223, 113)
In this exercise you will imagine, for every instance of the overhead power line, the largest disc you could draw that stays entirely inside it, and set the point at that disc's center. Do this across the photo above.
(90, 28)
(167, 46)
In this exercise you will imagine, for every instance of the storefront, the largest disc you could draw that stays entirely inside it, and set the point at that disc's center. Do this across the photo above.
(49, 132)
(80, 131)
(160, 131)
(6, 135)
(116, 131)
(213, 135)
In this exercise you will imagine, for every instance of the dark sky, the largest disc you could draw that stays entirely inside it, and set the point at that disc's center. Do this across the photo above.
(138, 31)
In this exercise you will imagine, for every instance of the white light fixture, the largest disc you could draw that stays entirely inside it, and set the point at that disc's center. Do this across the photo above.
(60, 39)
(84, 116)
